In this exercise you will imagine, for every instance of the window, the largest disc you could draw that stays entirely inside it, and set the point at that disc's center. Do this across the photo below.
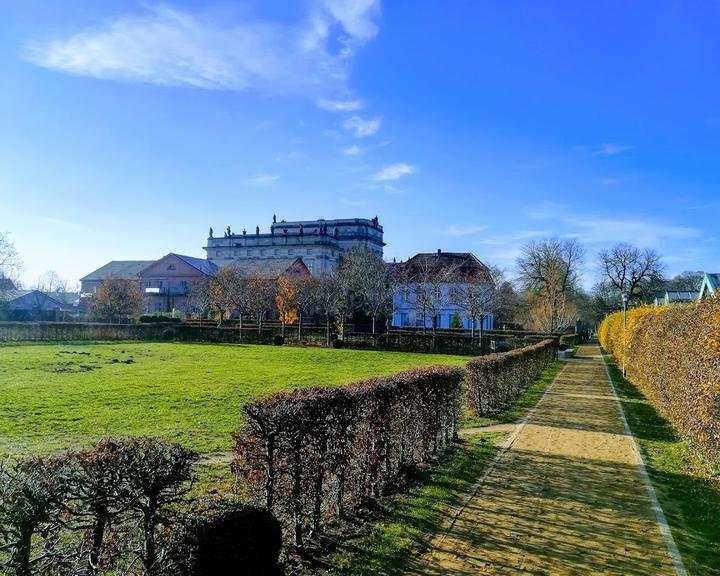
(437, 293)
(406, 294)
(171, 267)
(419, 322)
(404, 319)
(159, 283)
(311, 266)
(309, 251)
(453, 294)
(158, 307)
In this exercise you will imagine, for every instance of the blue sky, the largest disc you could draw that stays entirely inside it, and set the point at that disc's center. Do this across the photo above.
(127, 129)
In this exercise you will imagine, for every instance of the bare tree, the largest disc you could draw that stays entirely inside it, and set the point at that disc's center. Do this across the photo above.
(687, 281)
(479, 297)
(430, 279)
(233, 289)
(631, 271)
(10, 262)
(307, 297)
(260, 296)
(200, 296)
(51, 281)
(326, 296)
(371, 284)
(550, 270)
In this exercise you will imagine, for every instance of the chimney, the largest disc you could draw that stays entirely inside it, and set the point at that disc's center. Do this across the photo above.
(439, 252)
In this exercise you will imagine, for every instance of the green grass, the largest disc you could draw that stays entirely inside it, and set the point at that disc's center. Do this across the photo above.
(55, 397)
(410, 520)
(523, 405)
(688, 494)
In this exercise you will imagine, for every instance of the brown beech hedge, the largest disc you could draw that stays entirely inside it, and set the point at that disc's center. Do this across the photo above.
(672, 353)
(494, 381)
(316, 453)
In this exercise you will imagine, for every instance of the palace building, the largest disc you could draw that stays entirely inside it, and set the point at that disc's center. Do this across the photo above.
(318, 242)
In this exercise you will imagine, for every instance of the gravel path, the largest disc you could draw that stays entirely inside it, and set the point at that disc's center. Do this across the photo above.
(566, 497)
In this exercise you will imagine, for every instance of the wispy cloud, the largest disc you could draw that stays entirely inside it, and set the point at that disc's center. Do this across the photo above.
(353, 150)
(393, 172)
(641, 231)
(340, 105)
(469, 231)
(612, 149)
(262, 180)
(59, 222)
(172, 47)
(362, 128)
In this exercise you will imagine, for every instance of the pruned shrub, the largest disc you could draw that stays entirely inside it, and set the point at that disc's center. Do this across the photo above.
(672, 354)
(228, 538)
(495, 380)
(108, 509)
(32, 500)
(316, 453)
(168, 334)
(278, 340)
(337, 343)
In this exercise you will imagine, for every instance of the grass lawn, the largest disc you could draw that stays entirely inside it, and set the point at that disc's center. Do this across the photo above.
(688, 494)
(410, 520)
(59, 396)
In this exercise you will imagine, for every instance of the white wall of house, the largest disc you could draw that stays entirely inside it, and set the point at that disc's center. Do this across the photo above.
(406, 314)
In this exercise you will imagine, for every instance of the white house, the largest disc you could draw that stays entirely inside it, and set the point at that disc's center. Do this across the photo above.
(433, 291)
(710, 285)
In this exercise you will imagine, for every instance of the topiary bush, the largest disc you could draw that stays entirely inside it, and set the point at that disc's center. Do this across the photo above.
(168, 334)
(278, 340)
(228, 538)
(337, 343)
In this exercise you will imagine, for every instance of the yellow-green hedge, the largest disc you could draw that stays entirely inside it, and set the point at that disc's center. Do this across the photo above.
(672, 353)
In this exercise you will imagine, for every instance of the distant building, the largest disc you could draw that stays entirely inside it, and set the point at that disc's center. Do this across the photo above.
(676, 297)
(448, 274)
(7, 284)
(166, 282)
(123, 269)
(319, 243)
(34, 305)
(710, 286)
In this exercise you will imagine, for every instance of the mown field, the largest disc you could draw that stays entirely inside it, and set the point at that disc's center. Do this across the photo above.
(54, 397)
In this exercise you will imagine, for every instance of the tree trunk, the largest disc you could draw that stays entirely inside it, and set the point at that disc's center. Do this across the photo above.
(327, 331)
(21, 554)
(269, 472)
(150, 554)
(299, 326)
(98, 532)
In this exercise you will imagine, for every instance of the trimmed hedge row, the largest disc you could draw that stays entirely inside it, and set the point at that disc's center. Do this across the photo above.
(313, 454)
(672, 353)
(494, 381)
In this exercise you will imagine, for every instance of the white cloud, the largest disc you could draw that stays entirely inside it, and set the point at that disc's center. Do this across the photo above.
(612, 149)
(353, 150)
(469, 231)
(340, 105)
(356, 16)
(63, 223)
(170, 47)
(262, 180)
(393, 172)
(362, 128)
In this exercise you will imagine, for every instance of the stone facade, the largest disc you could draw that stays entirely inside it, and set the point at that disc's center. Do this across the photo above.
(318, 242)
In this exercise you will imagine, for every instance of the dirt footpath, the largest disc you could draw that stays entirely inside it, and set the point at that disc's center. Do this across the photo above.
(566, 498)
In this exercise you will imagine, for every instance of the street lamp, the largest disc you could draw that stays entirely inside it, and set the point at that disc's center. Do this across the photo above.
(624, 303)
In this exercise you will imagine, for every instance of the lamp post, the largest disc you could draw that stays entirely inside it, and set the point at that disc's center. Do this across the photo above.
(624, 303)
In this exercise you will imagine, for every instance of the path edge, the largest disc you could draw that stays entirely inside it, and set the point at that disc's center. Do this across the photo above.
(670, 544)
(472, 492)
